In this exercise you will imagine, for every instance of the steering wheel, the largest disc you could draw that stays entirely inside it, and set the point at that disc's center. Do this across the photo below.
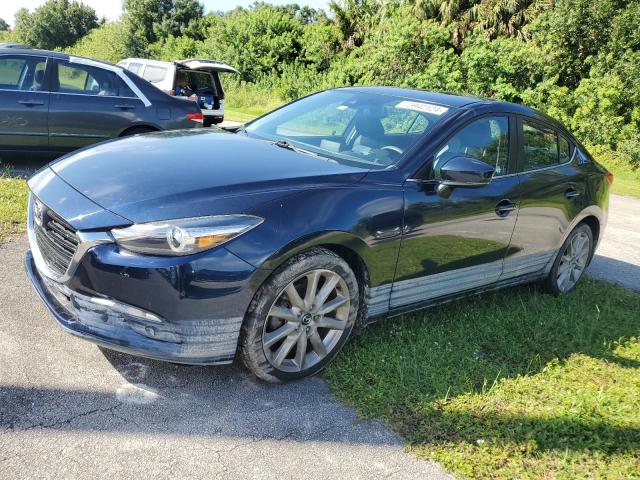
(393, 148)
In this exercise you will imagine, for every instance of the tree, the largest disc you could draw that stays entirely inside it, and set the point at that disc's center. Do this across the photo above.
(4, 26)
(106, 43)
(150, 21)
(55, 24)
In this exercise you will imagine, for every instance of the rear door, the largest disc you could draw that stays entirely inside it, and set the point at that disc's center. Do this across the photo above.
(457, 238)
(24, 103)
(551, 194)
(88, 104)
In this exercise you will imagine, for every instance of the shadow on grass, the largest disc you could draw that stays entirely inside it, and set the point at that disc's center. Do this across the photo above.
(516, 366)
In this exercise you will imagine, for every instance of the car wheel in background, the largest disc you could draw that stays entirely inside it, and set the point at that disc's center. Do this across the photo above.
(301, 317)
(572, 260)
(137, 131)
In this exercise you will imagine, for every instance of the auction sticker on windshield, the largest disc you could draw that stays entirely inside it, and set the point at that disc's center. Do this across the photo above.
(422, 107)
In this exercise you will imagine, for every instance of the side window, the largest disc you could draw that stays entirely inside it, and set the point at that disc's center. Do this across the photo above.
(124, 90)
(565, 150)
(22, 73)
(154, 74)
(486, 139)
(134, 67)
(86, 80)
(540, 147)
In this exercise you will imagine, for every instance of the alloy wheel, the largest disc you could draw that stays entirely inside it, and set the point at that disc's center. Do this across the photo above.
(306, 321)
(573, 261)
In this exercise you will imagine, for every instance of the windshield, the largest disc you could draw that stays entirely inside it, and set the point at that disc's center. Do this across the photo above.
(367, 130)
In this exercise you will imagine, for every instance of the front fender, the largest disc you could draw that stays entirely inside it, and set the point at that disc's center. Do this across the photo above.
(365, 219)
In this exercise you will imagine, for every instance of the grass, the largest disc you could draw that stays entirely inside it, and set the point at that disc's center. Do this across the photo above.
(626, 181)
(13, 205)
(245, 102)
(512, 384)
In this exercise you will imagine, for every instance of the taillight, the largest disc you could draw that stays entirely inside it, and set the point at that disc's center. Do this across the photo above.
(195, 117)
(609, 178)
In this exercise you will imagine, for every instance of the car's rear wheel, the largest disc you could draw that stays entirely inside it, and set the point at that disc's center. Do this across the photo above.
(572, 260)
(301, 317)
(137, 131)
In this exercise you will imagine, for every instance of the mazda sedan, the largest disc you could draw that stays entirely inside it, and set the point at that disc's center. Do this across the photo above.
(277, 241)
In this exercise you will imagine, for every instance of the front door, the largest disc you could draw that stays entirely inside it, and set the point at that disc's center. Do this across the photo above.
(24, 103)
(456, 238)
(88, 105)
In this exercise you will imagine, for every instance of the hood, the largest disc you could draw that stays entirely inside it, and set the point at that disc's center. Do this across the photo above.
(193, 172)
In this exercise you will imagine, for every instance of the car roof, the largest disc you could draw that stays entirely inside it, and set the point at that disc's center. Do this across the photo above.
(48, 53)
(147, 61)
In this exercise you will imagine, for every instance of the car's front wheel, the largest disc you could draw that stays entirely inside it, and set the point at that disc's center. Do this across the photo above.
(572, 260)
(301, 317)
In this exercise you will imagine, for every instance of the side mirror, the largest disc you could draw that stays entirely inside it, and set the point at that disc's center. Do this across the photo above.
(465, 172)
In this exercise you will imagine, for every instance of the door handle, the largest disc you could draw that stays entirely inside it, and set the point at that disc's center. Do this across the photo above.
(31, 103)
(571, 193)
(504, 208)
(125, 106)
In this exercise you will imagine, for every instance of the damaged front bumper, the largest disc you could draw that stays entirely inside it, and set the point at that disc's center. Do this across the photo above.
(129, 329)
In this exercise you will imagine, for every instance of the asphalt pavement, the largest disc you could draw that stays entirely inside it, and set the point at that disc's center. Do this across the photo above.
(617, 259)
(69, 409)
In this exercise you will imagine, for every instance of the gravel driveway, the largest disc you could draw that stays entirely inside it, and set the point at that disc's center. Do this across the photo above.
(69, 409)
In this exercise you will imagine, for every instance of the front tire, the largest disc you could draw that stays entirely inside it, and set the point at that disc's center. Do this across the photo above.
(571, 262)
(301, 317)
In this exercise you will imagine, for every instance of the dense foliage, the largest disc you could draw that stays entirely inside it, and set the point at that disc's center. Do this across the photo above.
(55, 24)
(578, 60)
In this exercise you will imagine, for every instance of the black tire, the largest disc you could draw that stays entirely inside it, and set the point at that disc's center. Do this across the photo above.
(137, 131)
(553, 283)
(254, 328)
(207, 122)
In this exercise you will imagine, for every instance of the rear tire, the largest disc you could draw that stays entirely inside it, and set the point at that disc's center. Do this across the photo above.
(137, 131)
(301, 317)
(572, 260)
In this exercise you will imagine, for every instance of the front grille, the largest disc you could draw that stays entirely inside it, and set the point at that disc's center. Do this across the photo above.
(57, 241)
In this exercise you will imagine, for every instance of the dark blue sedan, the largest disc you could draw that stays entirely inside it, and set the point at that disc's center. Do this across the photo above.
(277, 240)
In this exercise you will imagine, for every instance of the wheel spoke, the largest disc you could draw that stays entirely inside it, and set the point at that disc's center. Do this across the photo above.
(284, 313)
(278, 334)
(332, 305)
(318, 344)
(562, 268)
(326, 289)
(294, 296)
(563, 278)
(332, 323)
(312, 287)
(301, 350)
(284, 350)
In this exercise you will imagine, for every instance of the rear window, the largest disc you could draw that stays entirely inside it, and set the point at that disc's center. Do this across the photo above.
(154, 74)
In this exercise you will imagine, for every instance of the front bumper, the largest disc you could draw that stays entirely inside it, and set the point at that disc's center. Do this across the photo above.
(121, 327)
(178, 309)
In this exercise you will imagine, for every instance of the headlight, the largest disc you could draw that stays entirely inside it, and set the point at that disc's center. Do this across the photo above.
(184, 236)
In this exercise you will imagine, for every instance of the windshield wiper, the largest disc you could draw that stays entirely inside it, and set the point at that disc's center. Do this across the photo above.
(286, 145)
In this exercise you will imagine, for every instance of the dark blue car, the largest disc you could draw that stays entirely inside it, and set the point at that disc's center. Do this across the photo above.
(274, 242)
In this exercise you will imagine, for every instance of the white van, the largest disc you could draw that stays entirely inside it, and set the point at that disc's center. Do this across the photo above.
(196, 79)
